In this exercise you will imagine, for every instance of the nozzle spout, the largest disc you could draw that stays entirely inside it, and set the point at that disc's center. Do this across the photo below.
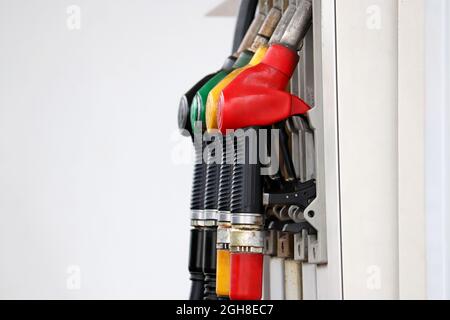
(283, 24)
(251, 32)
(299, 26)
(267, 29)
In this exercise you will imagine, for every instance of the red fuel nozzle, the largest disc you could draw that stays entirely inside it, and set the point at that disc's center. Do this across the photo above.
(257, 97)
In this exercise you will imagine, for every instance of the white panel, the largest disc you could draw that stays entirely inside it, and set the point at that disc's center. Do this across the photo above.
(310, 287)
(411, 150)
(276, 278)
(292, 279)
(328, 276)
(438, 147)
(367, 109)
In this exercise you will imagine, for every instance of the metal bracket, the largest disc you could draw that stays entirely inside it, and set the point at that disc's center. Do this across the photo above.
(301, 198)
(285, 245)
(270, 247)
(301, 246)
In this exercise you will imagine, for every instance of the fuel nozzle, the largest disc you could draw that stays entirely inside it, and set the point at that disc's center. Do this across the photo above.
(261, 37)
(212, 103)
(259, 92)
(188, 111)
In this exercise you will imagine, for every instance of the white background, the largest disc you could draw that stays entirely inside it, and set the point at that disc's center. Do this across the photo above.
(88, 143)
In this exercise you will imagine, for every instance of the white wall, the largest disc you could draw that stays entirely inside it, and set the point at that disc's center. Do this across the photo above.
(367, 114)
(438, 147)
(87, 137)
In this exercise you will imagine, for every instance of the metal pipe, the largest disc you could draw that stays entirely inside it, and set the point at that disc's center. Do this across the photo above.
(283, 24)
(253, 29)
(268, 27)
(299, 26)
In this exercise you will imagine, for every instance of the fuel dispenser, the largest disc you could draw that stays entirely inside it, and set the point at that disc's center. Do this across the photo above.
(250, 231)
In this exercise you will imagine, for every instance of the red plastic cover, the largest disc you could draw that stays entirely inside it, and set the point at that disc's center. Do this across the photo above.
(257, 97)
(246, 276)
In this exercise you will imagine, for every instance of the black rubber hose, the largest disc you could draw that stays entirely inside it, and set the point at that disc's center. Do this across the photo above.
(196, 241)
(210, 234)
(209, 263)
(212, 178)
(246, 190)
(199, 179)
(196, 264)
(226, 174)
